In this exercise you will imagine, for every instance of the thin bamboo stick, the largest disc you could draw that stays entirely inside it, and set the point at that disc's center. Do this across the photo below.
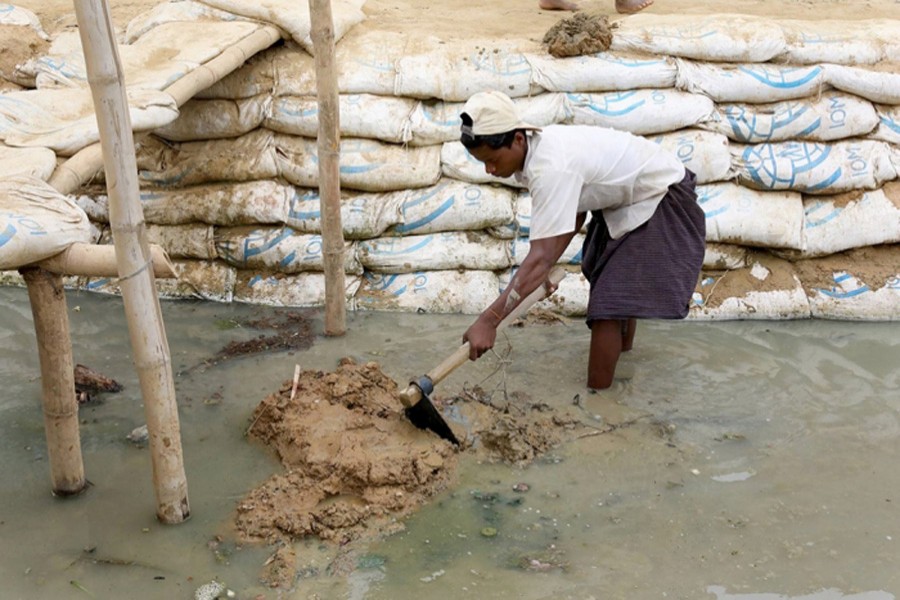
(148, 336)
(328, 149)
(51, 326)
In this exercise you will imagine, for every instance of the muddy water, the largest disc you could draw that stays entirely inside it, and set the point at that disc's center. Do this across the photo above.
(752, 461)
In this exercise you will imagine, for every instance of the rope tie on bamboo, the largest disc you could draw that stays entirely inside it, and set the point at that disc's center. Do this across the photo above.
(146, 266)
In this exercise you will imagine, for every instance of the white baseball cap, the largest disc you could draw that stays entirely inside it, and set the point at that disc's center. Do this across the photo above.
(493, 112)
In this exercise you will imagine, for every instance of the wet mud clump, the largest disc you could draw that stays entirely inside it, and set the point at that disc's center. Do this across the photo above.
(580, 34)
(89, 383)
(293, 331)
(352, 461)
(355, 466)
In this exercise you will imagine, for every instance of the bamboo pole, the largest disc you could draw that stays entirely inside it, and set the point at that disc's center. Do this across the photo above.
(51, 326)
(92, 260)
(329, 150)
(148, 336)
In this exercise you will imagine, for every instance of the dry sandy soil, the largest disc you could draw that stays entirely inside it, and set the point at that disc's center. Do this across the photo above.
(516, 18)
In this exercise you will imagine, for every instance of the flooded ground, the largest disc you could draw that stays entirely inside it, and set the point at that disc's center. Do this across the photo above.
(747, 461)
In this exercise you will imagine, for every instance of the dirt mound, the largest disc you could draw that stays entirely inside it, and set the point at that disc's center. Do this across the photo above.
(18, 45)
(351, 458)
(353, 462)
(582, 33)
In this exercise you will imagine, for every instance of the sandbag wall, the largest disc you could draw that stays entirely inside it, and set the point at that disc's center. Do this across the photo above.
(792, 128)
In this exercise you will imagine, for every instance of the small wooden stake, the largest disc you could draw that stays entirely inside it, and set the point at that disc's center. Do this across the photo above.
(296, 381)
(51, 326)
(329, 151)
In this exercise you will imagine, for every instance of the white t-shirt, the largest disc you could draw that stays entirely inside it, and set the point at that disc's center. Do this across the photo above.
(571, 169)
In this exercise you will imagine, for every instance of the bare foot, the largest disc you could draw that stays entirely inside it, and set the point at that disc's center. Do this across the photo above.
(632, 6)
(558, 5)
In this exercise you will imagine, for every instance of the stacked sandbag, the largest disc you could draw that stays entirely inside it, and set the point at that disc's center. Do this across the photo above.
(791, 127)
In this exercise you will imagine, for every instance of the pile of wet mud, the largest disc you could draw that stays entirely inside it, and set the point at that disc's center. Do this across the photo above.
(354, 465)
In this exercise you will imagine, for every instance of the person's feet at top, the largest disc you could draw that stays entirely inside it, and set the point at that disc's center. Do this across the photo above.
(622, 6)
(632, 6)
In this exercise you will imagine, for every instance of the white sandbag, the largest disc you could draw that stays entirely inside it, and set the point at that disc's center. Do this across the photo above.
(184, 241)
(520, 246)
(366, 165)
(64, 121)
(366, 62)
(16, 15)
(604, 71)
(363, 216)
(256, 202)
(277, 249)
(226, 204)
(11, 279)
(739, 215)
(280, 289)
(382, 118)
(434, 252)
(257, 75)
(184, 46)
(880, 85)
(175, 10)
(703, 152)
(201, 120)
(201, 279)
(641, 112)
(293, 17)
(859, 285)
(188, 241)
(453, 206)
(852, 220)
(570, 298)
(845, 42)
(719, 37)
(724, 257)
(814, 168)
(455, 70)
(467, 292)
(246, 158)
(435, 122)
(753, 83)
(193, 241)
(457, 163)
(520, 226)
(37, 222)
(204, 279)
(831, 116)
(851, 299)
(767, 290)
(27, 162)
(888, 129)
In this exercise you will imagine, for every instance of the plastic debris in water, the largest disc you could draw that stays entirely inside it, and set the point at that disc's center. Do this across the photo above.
(209, 591)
